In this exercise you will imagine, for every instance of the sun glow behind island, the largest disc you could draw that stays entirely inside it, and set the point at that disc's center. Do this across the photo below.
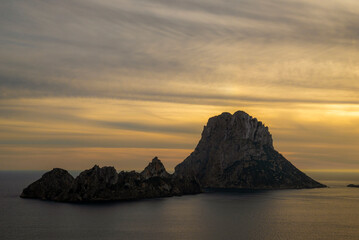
(118, 82)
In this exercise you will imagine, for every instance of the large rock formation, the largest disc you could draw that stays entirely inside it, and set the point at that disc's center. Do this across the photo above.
(105, 184)
(236, 151)
(50, 186)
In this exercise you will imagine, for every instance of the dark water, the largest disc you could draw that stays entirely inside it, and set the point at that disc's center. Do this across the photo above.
(331, 213)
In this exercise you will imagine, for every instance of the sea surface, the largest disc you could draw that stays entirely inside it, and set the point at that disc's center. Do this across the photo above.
(329, 213)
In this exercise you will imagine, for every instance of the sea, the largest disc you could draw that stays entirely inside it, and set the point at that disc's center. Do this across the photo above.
(326, 213)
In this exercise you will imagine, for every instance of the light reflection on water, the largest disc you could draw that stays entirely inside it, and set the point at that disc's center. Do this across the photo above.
(330, 213)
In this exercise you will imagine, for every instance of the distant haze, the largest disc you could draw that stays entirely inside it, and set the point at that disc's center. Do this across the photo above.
(118, 82)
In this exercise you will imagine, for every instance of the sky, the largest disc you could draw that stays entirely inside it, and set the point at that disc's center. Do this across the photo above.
(116, 83)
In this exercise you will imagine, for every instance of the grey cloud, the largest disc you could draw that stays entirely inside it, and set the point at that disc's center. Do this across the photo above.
(98, 141)
(58, 115)
(48, 89)
(69, 48)
(163, 128)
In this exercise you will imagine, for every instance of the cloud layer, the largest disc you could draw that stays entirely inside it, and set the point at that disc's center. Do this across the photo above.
(63, 62)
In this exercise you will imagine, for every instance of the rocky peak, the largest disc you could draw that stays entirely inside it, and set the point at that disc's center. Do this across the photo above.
(155, 169)
(236, 151)
(104, 175)
(240, 125)
(58, 173)
(50, 185)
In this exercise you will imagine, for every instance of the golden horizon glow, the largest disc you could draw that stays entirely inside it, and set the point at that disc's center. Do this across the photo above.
(106, 126)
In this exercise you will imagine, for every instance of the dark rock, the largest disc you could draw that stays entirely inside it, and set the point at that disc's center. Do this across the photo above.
(95, 184)
(51, 186)
(155, 169)
(185, 185)
(236, 151)
(105, 184)
(353, 185)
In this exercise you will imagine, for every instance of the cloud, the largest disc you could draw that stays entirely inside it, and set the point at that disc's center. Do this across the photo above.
(106, 48)
(108, 73)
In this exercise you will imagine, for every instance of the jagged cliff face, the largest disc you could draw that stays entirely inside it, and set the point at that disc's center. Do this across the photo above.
(236, 151)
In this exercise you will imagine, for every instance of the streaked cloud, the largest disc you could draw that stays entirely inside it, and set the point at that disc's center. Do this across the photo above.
(148, 74)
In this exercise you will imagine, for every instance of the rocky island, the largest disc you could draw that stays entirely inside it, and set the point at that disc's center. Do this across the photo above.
(105, 184)
(235, 151)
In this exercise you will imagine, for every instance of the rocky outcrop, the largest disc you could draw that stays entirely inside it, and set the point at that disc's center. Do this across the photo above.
(236, 151)
(50, 186)
(155, 169)
(353, 185)
(105, 184)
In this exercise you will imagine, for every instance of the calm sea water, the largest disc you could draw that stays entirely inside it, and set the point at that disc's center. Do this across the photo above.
(331, 213)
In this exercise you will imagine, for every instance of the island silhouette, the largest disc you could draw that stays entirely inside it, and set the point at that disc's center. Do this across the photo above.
(235, 152)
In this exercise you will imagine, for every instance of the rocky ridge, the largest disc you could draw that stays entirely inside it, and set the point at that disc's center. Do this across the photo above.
(236, 151)
(105, 184)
